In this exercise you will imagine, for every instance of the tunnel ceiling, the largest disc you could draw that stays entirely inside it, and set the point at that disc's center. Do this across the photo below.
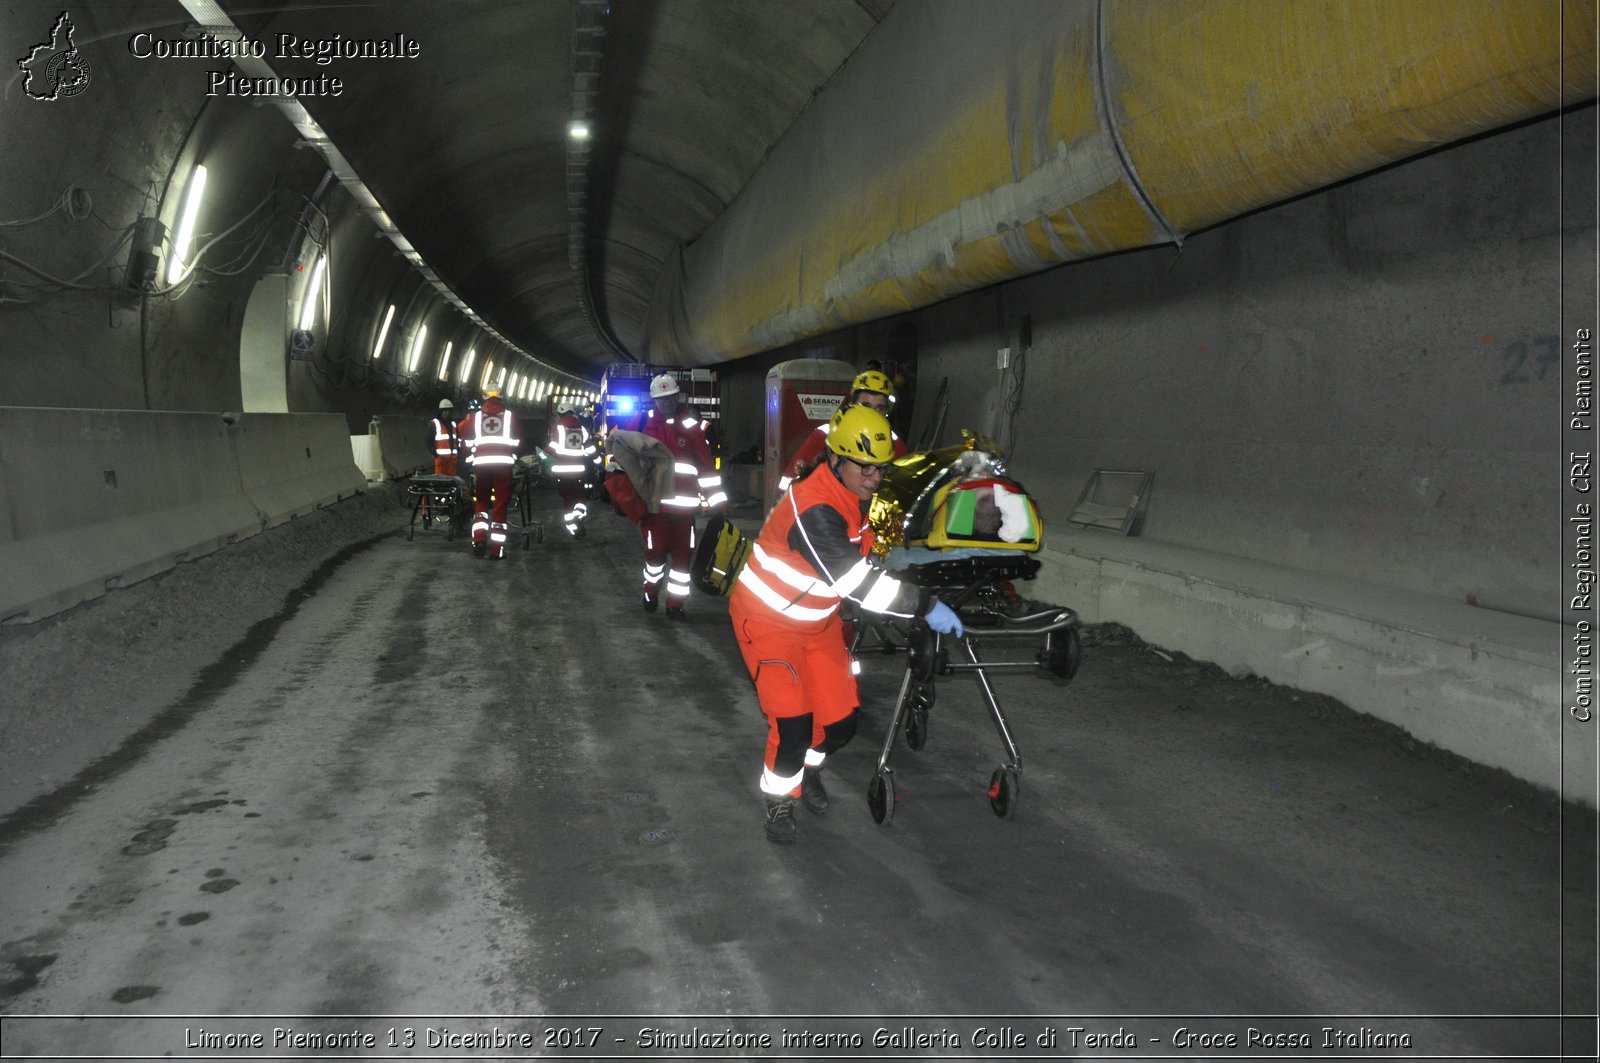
(466, 146)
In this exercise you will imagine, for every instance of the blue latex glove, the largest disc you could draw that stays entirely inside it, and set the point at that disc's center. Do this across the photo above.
(944, 620)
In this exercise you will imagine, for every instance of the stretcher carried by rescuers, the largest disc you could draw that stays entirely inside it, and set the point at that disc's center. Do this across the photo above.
(951, 521)
(438, 499)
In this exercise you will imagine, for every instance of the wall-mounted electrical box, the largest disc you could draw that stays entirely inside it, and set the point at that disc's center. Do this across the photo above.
(144, 262)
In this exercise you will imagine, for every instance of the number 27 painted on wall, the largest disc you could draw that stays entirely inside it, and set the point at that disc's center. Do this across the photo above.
(1515, 355)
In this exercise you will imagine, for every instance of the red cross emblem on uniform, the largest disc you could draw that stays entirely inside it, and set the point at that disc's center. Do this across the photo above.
(491, 424)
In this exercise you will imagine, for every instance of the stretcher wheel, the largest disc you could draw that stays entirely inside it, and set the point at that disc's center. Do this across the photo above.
(917, 727)
(1003, 787)
(1062, 653)
(881, 798)
(924, 661)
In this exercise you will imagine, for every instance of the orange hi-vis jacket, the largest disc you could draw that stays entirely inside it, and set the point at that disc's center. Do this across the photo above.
(812, 553)
(490, 435)
(444, 437)
(696, 471)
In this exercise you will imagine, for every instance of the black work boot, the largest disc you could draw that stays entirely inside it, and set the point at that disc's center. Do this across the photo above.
(676, 612)
(813, 793)
(780, 820)
(649, 604)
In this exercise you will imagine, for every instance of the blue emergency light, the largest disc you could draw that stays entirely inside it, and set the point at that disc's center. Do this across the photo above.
(624, 404)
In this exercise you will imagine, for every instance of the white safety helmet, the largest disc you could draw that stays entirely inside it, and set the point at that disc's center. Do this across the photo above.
(446, 404)
(564, 408)
(662, 386)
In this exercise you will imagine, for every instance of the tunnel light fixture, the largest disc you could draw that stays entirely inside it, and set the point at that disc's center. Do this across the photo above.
(444, 362)
(416, 348)
(500, 382)
(308, 301)
(578, 129)
(511, 389)
(466, 366)
(488, 375)
(191, 212)
(383, 333)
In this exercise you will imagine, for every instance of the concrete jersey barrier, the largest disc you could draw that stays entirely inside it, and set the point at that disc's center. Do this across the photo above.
(91, 500)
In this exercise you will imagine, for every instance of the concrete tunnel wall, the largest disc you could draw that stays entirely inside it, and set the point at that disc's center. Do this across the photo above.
(1352, 406)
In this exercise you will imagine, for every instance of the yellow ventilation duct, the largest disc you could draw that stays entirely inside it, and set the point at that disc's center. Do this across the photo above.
(967, 144)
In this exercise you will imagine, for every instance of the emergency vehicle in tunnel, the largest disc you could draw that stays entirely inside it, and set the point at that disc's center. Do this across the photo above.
(625, 393)
(1247, 353)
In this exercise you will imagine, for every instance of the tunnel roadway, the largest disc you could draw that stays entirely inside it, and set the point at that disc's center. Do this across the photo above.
(444, 786)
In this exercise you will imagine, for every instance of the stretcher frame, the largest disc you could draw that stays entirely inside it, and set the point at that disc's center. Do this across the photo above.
(524, 477)
(975, 587)
(434, 491)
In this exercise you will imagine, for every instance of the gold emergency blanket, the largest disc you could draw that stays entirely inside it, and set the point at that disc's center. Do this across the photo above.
(913, 485)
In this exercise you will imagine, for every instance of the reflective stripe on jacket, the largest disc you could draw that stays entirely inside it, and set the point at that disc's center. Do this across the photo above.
(696, 471)
(444, 437)
(490, 434)
(813, 552)
(572, 451)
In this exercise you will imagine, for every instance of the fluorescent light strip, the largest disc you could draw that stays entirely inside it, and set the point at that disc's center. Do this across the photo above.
(308, 300)
(383, 333)
(416, 348)
(191, 210)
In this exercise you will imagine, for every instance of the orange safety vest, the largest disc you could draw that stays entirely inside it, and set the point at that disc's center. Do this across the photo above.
(804, 563)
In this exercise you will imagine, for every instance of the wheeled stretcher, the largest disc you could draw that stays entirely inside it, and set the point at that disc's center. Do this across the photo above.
(525, 476)
(970, 566)
(978, 589)
(437, 499)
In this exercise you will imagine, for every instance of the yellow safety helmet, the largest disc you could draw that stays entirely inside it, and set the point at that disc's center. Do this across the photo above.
(872, 380)
(492, 393)
(861, 434)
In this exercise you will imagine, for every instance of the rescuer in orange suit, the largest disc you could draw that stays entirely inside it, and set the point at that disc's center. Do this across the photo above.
(445, 441)
(813, 552)
(493, 438)
(669, 534)
(870, 388)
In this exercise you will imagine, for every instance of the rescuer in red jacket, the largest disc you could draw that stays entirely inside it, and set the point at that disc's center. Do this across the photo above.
(492, 436)
(870, 388)
(813, 552)
(669, 534)
(572, 452)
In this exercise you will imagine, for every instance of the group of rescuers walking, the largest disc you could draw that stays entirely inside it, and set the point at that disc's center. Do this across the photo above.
(813, 553)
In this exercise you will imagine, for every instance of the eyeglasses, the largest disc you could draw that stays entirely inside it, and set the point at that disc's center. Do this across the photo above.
(867, 468)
